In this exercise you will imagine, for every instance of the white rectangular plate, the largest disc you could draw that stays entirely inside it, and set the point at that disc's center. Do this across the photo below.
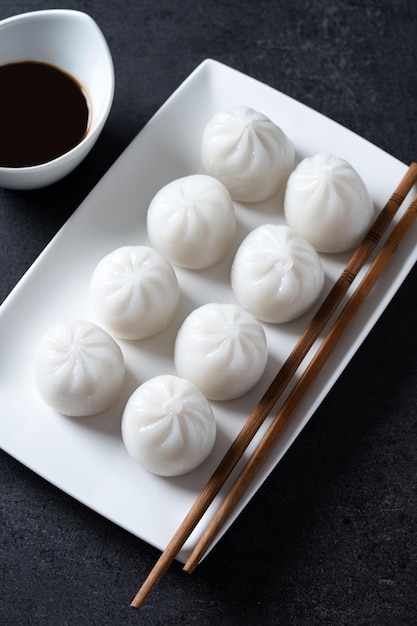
(86, 457)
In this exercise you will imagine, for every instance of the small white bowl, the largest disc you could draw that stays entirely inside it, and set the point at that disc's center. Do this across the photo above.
(71, 41)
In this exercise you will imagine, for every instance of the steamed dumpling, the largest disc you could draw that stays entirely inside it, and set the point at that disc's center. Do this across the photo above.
(134, 292)
(192, 221)
(79, 369)
(250, 154)
(222, 349)
(327, 203)
(168, 426)
(276, 274)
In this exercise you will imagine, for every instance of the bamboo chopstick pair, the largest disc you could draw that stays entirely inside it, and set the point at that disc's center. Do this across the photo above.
(282, 379)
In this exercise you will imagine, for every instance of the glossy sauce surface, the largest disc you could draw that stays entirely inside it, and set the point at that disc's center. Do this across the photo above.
(44, 112)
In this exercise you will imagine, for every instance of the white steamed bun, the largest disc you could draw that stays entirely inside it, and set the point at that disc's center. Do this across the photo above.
(192, 221)
(327, 203)
(168, 426)
(250, 154)
(222, 349)
(79, 369)
(134, 292)
(276, 274)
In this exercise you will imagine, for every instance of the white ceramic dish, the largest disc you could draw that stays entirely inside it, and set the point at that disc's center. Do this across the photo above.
(86, 457)
(71, 41)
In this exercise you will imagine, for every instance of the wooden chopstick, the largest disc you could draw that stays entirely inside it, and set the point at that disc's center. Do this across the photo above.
(271, 396)
(303, 384)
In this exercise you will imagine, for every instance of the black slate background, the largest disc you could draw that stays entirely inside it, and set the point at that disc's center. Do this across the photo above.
(331, 538)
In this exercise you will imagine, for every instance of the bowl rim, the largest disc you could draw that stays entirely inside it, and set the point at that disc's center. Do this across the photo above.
(90, 136)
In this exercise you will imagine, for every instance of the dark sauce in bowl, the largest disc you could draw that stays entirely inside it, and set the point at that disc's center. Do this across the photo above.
(44, 112)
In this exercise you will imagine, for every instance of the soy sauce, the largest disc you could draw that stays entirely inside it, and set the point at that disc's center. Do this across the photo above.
(44, 112)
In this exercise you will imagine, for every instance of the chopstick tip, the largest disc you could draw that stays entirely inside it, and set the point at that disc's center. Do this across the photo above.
(137, 602)
(144, 591)
(189, 567)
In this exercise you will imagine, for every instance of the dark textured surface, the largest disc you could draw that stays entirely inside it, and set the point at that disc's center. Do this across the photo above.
(331, 537)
